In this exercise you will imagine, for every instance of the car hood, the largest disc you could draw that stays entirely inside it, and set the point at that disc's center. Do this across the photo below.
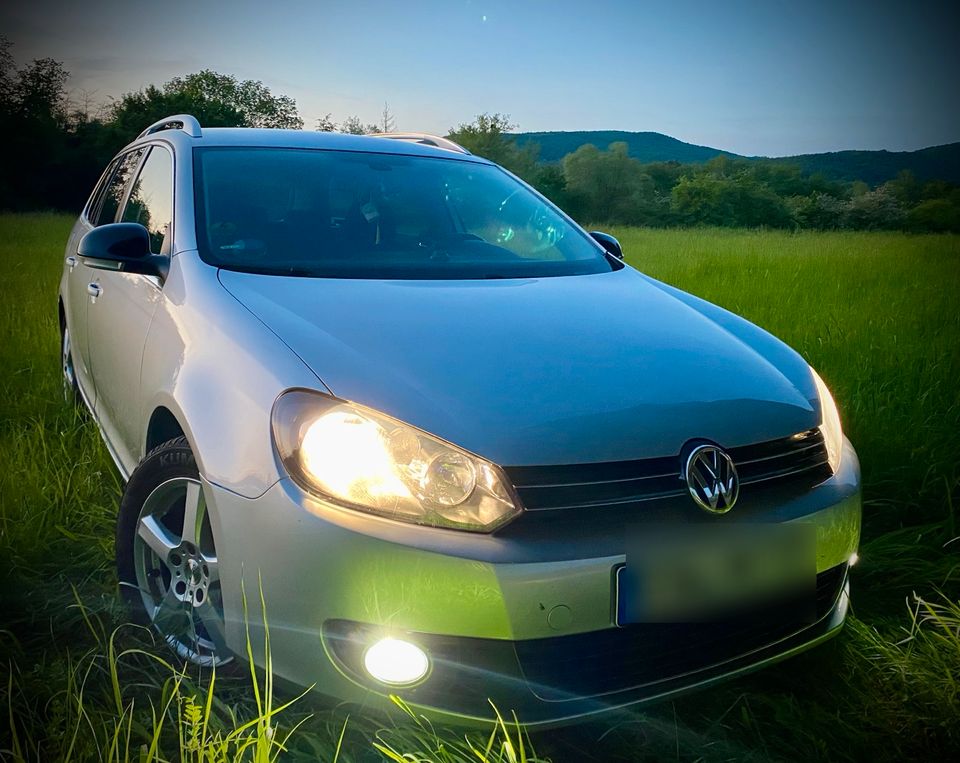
(556, 370)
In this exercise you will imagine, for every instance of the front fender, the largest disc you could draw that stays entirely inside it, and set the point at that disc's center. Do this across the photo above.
(218, 370)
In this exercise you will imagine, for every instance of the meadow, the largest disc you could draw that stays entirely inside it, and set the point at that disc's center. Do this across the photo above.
(876, 313)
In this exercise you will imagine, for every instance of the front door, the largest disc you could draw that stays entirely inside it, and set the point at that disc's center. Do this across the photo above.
(121, 309)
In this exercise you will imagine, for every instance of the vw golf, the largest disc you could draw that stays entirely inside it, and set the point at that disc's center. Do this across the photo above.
(461, 447)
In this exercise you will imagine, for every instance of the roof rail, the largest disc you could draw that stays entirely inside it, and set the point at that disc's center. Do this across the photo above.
(185, 122)
(423, 138)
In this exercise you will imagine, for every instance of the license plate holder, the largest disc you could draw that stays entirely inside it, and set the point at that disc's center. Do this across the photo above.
(710, 574)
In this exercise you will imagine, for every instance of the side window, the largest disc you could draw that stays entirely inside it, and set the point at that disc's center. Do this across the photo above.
(115, 188)
(151, 199)
(96, 198)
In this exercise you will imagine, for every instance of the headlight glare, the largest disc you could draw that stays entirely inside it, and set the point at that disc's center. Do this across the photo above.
(370, 461)
(830, 423)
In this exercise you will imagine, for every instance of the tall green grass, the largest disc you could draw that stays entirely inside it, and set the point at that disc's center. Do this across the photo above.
(875, 313)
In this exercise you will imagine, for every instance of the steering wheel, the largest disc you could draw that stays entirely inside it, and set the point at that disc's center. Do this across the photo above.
(540, 233)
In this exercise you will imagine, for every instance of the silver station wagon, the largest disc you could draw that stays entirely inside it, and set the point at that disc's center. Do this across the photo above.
(462, 449)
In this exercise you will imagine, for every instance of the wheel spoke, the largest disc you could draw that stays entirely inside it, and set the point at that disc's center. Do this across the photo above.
(171, 616)
(156, 537)
(214, 626)
(213, 569)
(180, 603)
(193, 510)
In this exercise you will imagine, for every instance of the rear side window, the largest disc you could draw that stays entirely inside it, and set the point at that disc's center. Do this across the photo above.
(113, 195)
(151, 199)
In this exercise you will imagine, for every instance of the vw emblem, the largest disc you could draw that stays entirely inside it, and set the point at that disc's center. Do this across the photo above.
(712, 479)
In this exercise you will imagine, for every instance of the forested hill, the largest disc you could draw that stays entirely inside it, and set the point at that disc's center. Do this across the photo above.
(644, 146)
(873, 167)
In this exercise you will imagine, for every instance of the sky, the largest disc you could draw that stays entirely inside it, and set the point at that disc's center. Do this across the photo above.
(758, 77)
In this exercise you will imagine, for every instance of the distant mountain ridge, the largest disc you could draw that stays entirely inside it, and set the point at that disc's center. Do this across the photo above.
(645, 146)
(934, 163)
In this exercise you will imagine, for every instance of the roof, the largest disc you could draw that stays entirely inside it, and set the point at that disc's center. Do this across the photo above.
(183, 129)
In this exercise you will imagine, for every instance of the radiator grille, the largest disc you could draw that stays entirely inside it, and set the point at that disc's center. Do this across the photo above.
(801, 457)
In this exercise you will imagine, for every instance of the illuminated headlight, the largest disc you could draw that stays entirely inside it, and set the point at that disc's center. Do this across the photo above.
(370, 461)
(830, 423)
(396, 662)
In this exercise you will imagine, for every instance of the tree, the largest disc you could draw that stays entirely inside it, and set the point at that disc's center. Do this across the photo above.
(905, 188)
(820, 211)
(738, 200)
(388, 122)
(703, 199)
(252, 99)
(55, 151)
(551, 182)
(216, 100)
(7, 73)
(610, 186)
(33, 130)
(487, 136)
(39, 92)
(326, 124)
(935, 215)
(874, 210)
(354, 126)
(133, 112)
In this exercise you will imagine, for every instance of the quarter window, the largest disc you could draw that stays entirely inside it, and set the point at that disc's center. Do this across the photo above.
(151, 199)
(113, 195)
(96, 198)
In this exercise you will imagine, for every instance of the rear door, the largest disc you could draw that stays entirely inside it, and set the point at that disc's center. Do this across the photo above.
(119, 315)
(78, 276)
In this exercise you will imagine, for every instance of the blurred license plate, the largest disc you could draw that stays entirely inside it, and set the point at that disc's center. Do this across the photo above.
(709, 573)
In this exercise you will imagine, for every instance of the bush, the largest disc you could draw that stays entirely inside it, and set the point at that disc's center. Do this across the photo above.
(935, 216)
(874, 210)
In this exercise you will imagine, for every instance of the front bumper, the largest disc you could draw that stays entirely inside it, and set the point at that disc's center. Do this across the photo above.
(484, 606)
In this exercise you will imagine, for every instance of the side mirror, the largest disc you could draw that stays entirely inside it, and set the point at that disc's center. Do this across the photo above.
(124, 247)
(609, 243)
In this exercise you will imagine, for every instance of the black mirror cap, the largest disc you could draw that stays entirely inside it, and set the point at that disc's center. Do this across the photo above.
(609, 243)
(121, 246)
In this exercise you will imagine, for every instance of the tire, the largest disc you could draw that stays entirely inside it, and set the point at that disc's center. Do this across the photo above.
(71, 392)
(167, 566)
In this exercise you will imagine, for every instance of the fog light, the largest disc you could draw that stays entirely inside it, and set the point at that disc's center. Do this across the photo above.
(395, 662)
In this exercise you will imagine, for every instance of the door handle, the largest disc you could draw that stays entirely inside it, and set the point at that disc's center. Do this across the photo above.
(94, 290)
(71, 262)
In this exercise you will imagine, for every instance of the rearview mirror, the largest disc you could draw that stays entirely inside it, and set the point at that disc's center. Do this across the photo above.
(124, 247)
(609, 243)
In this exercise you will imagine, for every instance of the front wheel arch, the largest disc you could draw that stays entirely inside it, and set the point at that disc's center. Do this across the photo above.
(162, 427)
(168, 567)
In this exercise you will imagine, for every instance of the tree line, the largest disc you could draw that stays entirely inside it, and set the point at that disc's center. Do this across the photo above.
(55, 149)
(606, 185)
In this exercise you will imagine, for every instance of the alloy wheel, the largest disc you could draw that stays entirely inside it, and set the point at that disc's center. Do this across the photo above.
(66, 362)
(178, 574)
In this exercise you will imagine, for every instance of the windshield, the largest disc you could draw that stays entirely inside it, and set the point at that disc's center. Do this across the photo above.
(349, 214)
